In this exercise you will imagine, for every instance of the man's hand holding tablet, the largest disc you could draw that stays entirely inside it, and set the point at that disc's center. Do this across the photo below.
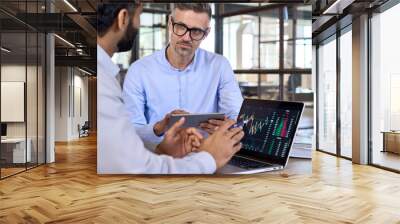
(212, 125)
(161, 127)
(198, 120)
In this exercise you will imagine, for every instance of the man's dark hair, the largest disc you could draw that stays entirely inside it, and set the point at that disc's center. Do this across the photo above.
(196, 7)
(108, 12)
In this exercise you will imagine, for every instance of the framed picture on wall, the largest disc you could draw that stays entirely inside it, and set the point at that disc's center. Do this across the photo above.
(12, 101)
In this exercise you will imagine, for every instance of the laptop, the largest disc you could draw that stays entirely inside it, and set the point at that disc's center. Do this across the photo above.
(269, 127)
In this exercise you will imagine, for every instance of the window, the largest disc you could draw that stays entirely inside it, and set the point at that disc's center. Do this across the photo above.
(265, 57)
(241, 41)
(327, 96)
(385, 88)
(153, 33)
(269, 39)
(346, 93)
(303, 42)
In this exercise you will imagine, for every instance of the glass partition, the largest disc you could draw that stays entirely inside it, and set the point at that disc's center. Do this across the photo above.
(14, 144)
(22, 88)
(327, 96)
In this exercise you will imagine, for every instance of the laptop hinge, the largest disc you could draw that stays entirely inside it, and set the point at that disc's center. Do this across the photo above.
(254, 159)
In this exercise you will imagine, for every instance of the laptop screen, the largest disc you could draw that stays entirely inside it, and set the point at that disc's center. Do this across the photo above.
(269, 127)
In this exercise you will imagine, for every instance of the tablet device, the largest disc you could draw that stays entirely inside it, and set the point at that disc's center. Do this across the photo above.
(194, 120)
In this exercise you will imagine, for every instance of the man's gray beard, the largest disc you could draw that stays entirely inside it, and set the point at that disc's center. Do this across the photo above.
(183, 52)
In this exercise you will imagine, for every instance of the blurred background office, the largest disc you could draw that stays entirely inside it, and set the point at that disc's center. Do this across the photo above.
(48, 79)
(268, 46)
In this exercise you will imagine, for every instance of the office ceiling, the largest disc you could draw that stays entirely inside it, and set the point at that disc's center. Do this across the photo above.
(74, 21)
(326, 14)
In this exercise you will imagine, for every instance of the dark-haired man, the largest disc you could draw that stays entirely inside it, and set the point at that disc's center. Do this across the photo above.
(181, 77)
(119, 148)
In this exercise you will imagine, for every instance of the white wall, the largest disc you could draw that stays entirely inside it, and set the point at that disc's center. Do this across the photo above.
(71, 94)
(80, 114)
(62, 81)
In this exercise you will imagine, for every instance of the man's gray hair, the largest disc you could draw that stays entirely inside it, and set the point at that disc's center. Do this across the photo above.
(196, 7)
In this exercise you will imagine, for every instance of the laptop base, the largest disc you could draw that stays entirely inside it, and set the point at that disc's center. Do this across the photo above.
(231, 169)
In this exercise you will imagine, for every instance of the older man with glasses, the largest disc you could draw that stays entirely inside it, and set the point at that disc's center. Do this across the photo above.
(181, 78)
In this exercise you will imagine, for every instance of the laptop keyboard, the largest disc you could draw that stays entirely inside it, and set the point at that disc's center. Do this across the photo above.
(247, 164)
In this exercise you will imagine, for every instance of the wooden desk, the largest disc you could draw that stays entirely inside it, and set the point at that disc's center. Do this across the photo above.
(391, 141)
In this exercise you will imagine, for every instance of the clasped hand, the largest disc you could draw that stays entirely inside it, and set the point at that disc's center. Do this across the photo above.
(178, 141)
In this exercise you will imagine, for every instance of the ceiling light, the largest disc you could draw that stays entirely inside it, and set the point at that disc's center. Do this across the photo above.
(337, 7)
(79, 51)
(70, 5)
(333, 6)
(65, 41)
(84, 71)
(5, 50)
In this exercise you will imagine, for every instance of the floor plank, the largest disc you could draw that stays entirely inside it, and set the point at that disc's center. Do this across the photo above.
(70, 191)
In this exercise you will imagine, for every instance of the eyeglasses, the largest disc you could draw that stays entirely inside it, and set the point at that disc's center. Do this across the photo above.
(181, 29)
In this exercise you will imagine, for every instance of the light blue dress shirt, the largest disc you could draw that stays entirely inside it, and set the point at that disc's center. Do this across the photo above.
(153, 88)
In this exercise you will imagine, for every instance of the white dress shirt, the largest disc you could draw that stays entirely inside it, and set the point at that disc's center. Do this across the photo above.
(119, 148)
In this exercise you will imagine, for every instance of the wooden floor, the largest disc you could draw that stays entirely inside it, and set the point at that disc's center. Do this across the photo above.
(387, 159)
(70, 191)
(5, 172)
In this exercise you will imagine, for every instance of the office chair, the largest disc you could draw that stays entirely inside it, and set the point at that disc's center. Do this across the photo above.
(84, 130)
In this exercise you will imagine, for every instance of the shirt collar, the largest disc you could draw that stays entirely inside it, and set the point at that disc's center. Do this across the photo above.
(165, 60)
(105, 60)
